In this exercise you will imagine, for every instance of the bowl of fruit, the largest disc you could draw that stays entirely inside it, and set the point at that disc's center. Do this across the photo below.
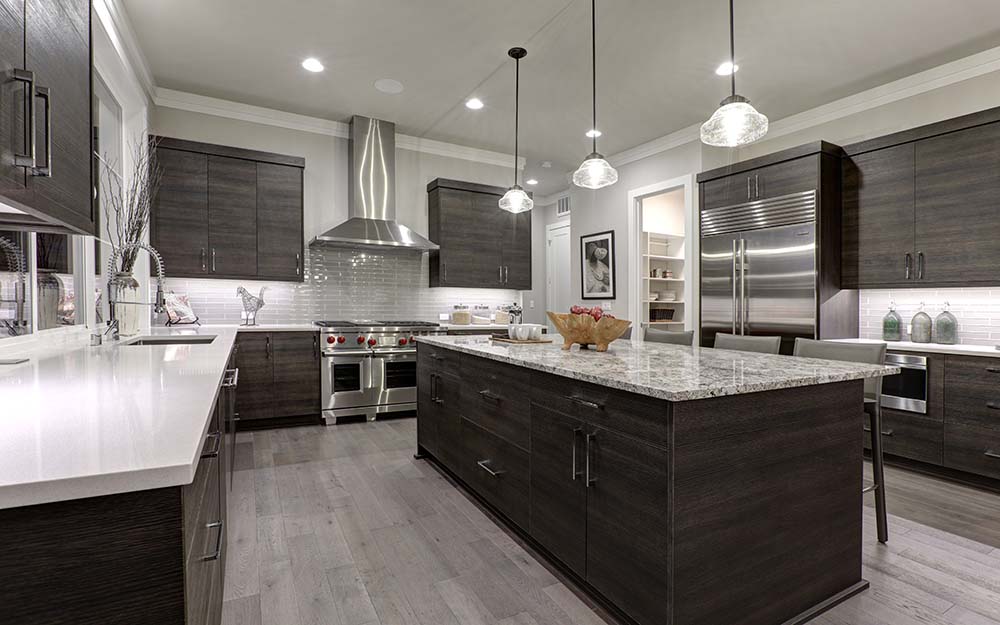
(588, 326)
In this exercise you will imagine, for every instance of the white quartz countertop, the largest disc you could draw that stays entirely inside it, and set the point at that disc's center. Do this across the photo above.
(932, 348)
(669, 372)
(86, 421)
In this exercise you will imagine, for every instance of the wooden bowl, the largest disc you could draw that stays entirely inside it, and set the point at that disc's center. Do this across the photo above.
(584, 330)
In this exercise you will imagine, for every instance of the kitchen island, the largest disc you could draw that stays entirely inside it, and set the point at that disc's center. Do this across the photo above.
(679, 486)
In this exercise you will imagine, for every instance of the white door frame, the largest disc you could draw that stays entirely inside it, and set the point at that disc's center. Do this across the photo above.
(549, 230)
(691, 250)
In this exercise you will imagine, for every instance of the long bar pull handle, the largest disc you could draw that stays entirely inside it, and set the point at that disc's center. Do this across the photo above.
(486, 394)
(884, 432)
(485, 466)
(590, 478)
(506, 274)
(218, 541)
(736, 310)
(204, 266)
(45, 94)
(920, 265)
(743, 286)
(992, 405)
(213, 260)
(586, 402)
(907, 264)
(267, 347)
(500, 268)
(989, 453)
(756, 186)
(315, 346)
(992, 369)
(27, 159)
(298, 261)
(748, 189)
(576, 437)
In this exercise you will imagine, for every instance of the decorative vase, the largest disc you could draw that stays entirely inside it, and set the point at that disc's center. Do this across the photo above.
(892, 324)
(921, 327)
(946, 327)
(129, 304)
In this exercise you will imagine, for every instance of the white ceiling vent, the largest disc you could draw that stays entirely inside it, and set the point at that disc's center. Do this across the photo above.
(562, 207)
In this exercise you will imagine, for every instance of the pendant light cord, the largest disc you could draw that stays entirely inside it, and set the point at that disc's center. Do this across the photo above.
(517, 103)
(593, 66)
(732, 50)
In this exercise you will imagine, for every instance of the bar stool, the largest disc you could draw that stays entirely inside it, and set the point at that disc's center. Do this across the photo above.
(870, 353)
(655, 335)
(762, 344)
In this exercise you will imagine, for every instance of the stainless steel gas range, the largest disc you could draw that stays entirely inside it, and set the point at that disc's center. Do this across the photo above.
(370, 367)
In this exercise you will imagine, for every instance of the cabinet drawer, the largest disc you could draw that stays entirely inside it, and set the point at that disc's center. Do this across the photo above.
(440, 360)
(200, 573)
(910, 437)
(644, 417)
(194, 494)
(972, 391)
(497, 470)
(973, 449)
(495, 396)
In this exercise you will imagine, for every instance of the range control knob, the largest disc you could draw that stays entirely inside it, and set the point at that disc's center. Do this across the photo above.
(331, 339)
(361, 340)
(372, 342)
(402, 341)
(341, 339)
(411, 339)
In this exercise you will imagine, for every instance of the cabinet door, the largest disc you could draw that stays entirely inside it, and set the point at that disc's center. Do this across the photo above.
(57, 50)
(735, 189)
(470, 254)
(296, 373)
(877, 221)
(801, 174)
(451, 445)
(12, 102)
(558, 508)
(627, 511)
(256, 384)
(279, 222)
(957, 215)
(427, 410)
(180, 213)
(232, 216)
(516, 231)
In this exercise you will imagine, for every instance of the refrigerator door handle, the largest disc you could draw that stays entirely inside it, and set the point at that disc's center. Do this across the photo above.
(735, 295)
(743, 285)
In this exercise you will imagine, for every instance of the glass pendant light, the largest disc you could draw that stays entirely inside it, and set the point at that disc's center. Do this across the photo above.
(515, 200)
(736, 122)
(595, 172)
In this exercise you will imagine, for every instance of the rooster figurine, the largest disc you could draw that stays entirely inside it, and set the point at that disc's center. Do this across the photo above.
(251, 304)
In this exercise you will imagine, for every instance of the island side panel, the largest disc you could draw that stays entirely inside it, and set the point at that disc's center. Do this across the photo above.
(767, 503)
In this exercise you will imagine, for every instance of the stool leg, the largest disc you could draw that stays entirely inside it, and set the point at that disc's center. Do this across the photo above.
(878, 475)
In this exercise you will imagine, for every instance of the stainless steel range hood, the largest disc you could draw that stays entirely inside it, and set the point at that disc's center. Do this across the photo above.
(371, 194)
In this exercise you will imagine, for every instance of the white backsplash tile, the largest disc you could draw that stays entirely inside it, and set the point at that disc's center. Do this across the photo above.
(977, 311)
(340, 284)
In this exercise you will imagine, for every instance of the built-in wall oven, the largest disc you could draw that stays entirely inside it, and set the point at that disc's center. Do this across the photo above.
(370, 368)
(907, 390)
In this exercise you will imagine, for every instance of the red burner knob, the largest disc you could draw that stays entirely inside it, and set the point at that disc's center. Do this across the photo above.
(331, 339)
(372, 342)
(412, 339)
(361, 340)
(402, 341)
(341, 339)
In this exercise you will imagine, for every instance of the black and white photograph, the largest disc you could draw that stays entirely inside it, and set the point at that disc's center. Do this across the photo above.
(597, 271)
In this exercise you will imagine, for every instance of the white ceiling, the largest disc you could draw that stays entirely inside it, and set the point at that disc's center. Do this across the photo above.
(656, 60)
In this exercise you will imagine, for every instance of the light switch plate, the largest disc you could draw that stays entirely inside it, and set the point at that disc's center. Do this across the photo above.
(444, 317)
(606, 305)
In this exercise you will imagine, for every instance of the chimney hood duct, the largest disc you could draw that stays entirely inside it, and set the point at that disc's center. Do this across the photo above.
(371, 194)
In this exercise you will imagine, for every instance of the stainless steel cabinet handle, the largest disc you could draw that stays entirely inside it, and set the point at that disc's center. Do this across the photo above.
(214, 451)
(218, 541)
(576, 437)
(500, 269)
(585, 402)
(298, 258)
(232, 378)
(992, 405)
(485, 466)
(434, 397)
(992, 370)
(315, 346)
(590, 479)
(736, 310)
(27, 159)
(506, 274)
(267, 348)
(444, 270)
(45, 94)
(756, 186)
(748, 188)
(907, 263)
(884, 432)
(486, 394)
(989, 453)
(743, 286)
(213, 259)
(204, 267)
(920, 265)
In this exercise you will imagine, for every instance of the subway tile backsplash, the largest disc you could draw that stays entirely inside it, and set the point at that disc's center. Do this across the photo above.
(339, 284)
(977, 311)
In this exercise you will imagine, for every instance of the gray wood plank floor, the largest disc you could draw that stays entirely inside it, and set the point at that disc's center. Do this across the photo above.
(341, 526)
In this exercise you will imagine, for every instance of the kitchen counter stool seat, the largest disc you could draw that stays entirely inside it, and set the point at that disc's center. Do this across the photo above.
(761, 344)
(873, 354)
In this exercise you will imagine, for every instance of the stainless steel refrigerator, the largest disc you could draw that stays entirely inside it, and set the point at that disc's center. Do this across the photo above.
(759, 272)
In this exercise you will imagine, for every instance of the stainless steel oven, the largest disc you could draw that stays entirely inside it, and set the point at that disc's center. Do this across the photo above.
(907, 390)
(347, 379)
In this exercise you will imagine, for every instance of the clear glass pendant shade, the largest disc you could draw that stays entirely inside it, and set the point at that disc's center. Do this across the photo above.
(595, 173)
(734, 123)
(515, 200)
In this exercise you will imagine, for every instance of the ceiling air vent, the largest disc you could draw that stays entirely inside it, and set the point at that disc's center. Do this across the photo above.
(562, 207)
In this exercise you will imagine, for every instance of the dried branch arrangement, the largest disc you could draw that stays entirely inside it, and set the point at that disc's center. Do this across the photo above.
(127, 202)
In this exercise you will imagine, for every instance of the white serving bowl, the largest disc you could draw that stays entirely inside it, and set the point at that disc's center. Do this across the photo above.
(524, 331)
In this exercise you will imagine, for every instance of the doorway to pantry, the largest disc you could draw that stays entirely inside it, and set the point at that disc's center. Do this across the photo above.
(662, 262)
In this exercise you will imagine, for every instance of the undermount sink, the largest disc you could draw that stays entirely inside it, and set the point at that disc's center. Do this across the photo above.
(172, 340)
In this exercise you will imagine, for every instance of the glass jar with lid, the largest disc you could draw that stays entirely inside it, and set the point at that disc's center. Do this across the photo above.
(892, 324)
(946, 327)
(920, 326)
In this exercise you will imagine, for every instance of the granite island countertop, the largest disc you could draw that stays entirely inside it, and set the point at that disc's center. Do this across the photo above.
(669, 372)
(86, 421)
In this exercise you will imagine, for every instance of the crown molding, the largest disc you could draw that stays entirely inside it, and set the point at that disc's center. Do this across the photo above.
(546, 200)
(170, 98)
(661, 144)
(117, 25)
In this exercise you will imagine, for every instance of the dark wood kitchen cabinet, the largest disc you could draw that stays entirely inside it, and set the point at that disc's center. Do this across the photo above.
(438, 396)
(225, 212)
(47, 43)
(481, 246)
(736, 184)
(279, 378)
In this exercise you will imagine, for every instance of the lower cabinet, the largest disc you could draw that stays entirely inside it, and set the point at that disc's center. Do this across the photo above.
(279, 376)
(439, 428)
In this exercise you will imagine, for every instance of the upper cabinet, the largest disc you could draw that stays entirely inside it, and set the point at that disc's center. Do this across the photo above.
(45, 115)
(764, 182)
(224, 212)
(920, 207)
(481, 245)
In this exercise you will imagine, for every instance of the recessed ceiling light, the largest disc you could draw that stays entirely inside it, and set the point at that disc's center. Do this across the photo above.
(593, 133)
(388, 85)
(313, 65)
(474, 103)
(546, 164)
(726, 69)
(531, 181)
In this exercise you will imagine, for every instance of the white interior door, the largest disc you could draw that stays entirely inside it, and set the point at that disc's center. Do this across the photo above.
(558, 290)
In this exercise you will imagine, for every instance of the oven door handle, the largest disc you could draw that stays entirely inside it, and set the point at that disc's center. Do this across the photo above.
(395, 352)
(352, 354)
